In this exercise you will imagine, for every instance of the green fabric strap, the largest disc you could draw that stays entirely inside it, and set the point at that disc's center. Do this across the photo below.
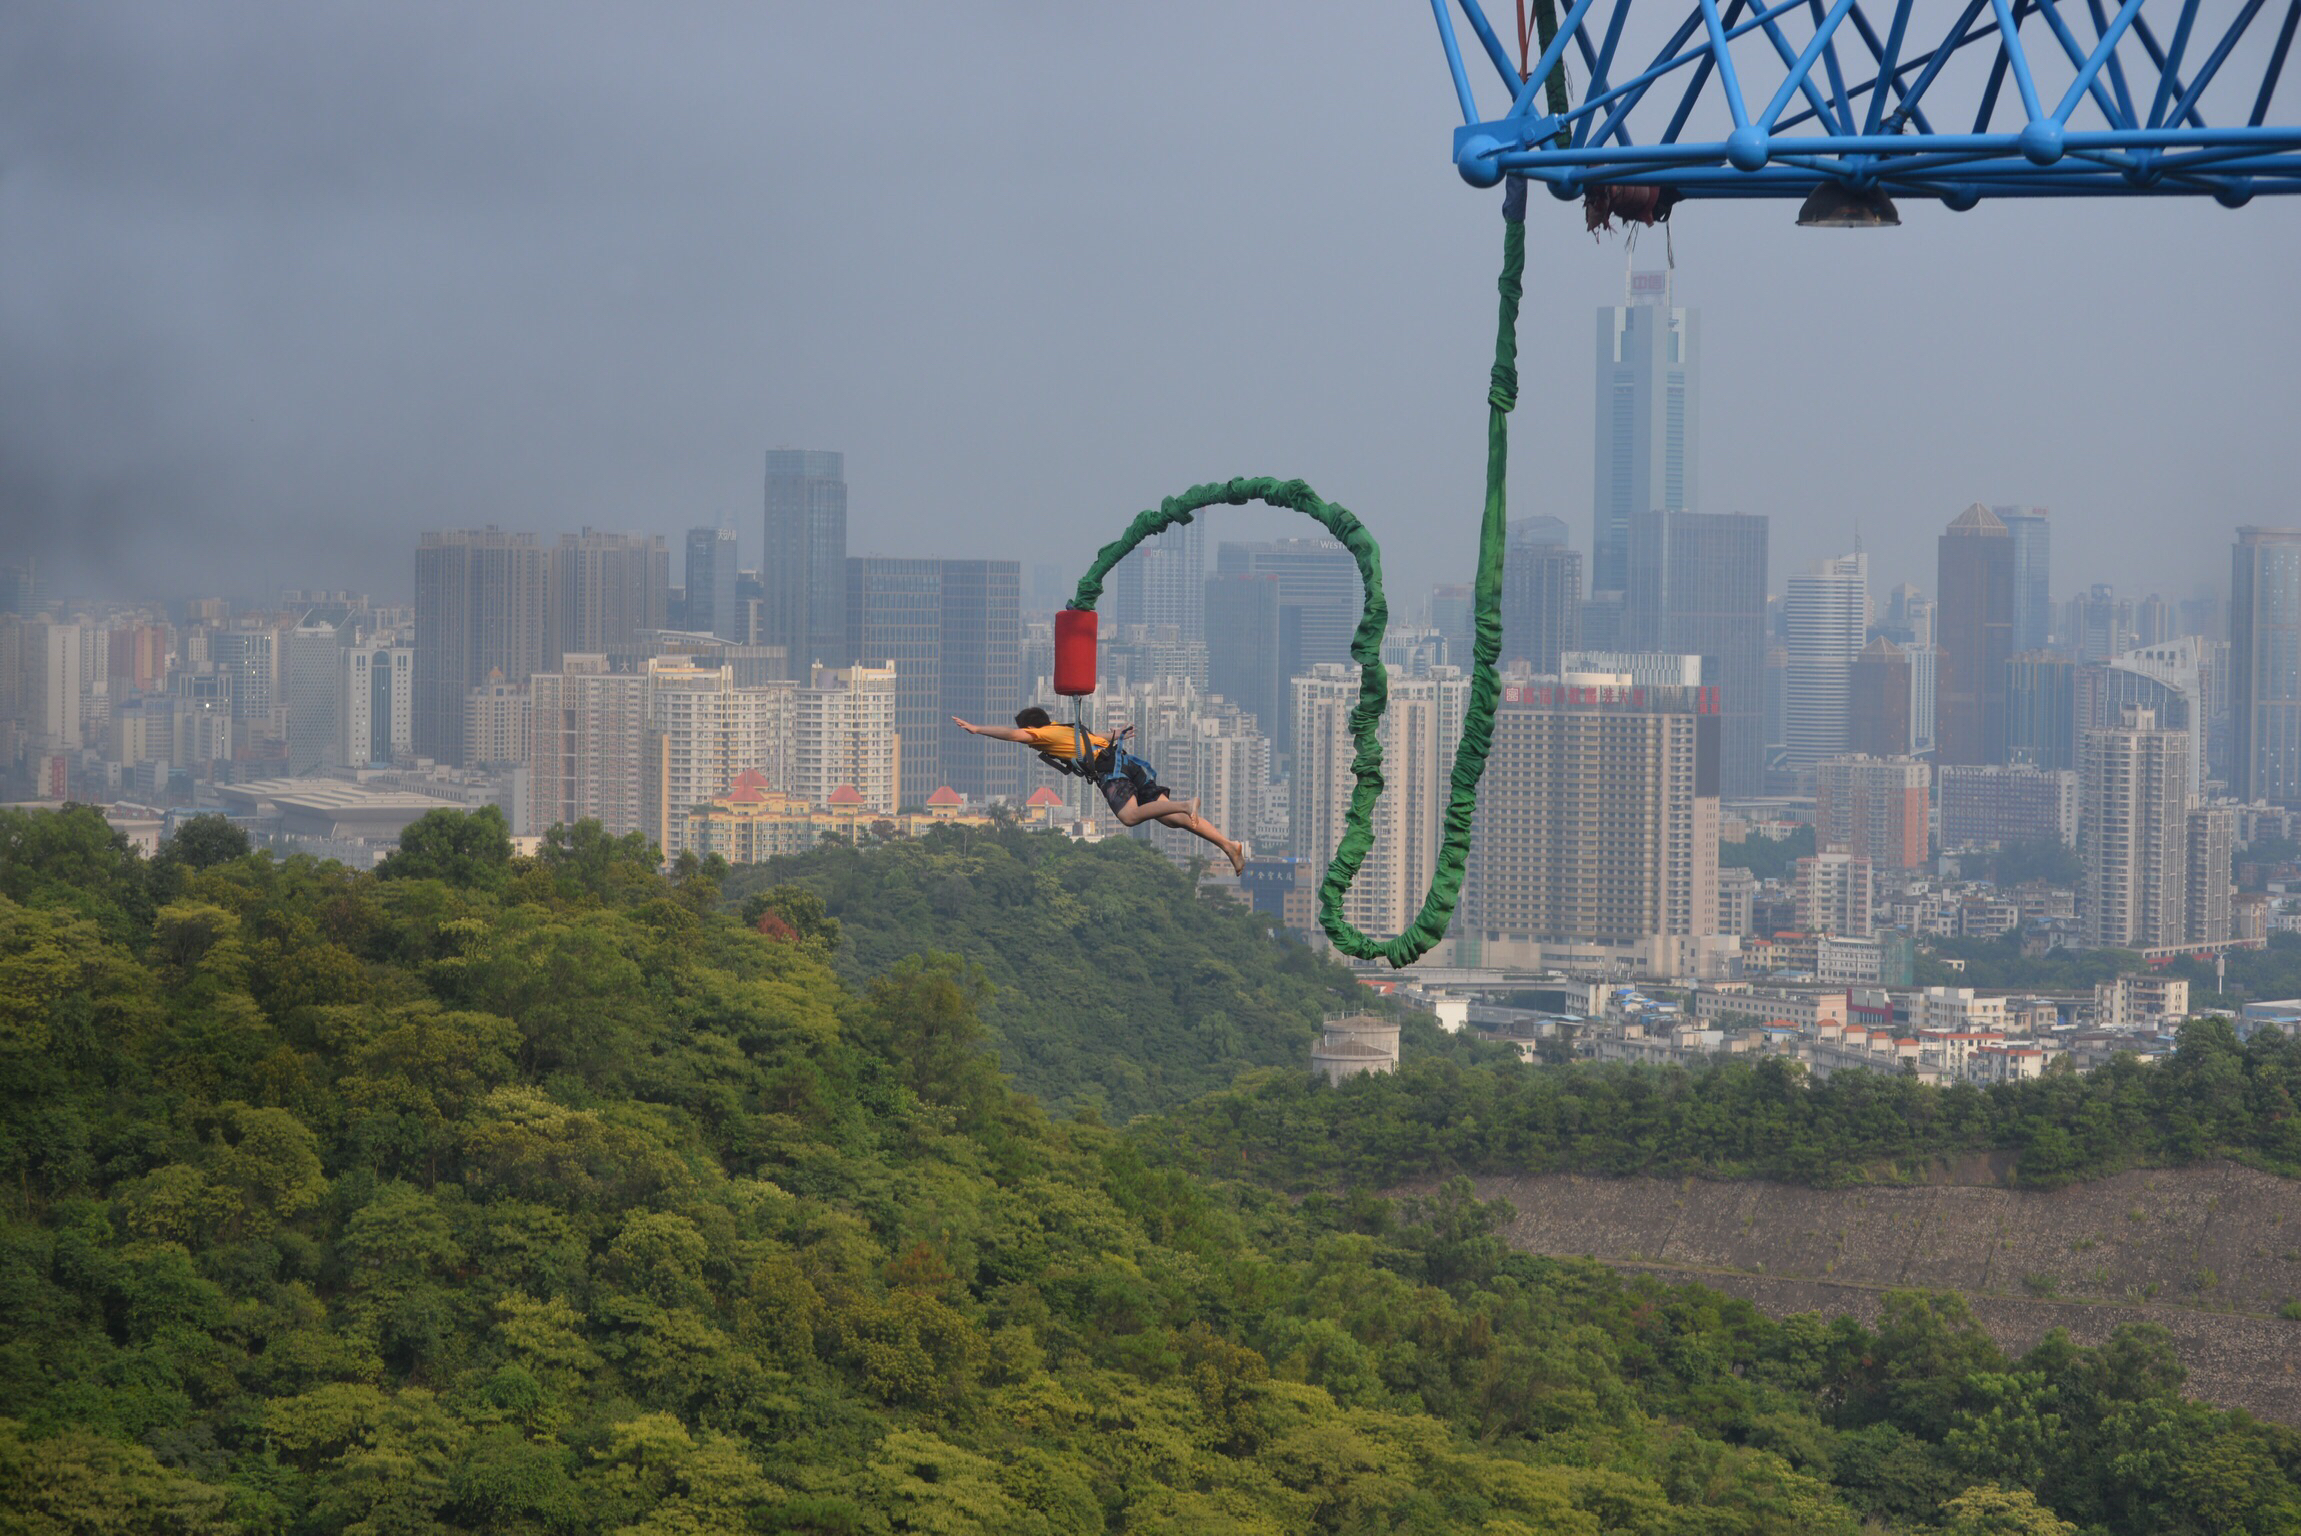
(1429, 925)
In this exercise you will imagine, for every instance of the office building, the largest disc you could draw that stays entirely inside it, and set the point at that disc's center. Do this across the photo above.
(712, 583)
(1419, 733)
(804, 569)
(311, 687)
(1454, 614)
(2265, 665)
(1541, 597)
(51, 691)
(2153, 621)
(498, 729)
(1642, 669)
(587, 746)
(2167, 678)
(2041, 709)
(1648, 448)
(1162, 583)
(2205, 617)
(843, 738)
(1318, 597)
(2212, 837)
(1881, 717)
(1991, 805)
(702, 732)
(606, 589)
(1243, 663)
(480, 608)
(1974, 628)
(1826, 615)
(2031, 529)
(249, 655)
(376, 712)
(1834, 893)
(2098, 624)
(1925, 685)
(1598, 825)
(1874, 807)
(952, 630)
(2133, 831)
(1698, 586)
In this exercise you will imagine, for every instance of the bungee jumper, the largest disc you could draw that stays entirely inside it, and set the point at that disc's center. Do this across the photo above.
(1129, 785)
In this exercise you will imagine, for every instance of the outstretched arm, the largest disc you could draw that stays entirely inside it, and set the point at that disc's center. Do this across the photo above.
(995, 732)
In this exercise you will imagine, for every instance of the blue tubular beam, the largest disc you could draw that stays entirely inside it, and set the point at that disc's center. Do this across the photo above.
(2089, 64)
(1634, 91)
(1494, 49)
(2276, 64)
(1941, 56)
(1724, 58)
(1837, 75)
(2169, 69)
(2125, 117)
(1886, 58)
(1454, 61)
(1550, 56)
(2214, 60)
(2009, 34)
(1800, 77)
(2157, 57)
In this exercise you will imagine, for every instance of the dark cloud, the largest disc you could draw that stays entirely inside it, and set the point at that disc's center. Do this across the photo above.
(281, 284)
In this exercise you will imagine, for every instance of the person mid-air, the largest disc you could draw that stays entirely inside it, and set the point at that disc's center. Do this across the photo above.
(1135, 797)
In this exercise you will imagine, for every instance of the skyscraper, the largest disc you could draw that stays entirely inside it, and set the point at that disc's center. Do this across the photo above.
(587, 744)
(2212, 839)
(895, 619)
(1419, 733)
(1882, 713)
(377, 713)
(604, 589)
(1974, 628)
(1163, 582)
(1598, 821)
(2265, 665)
(2169, 678)
(1317, 596)
(953, 631)
(1541, 596)
(805, 566)
(711, 579)
(2031, 529)
(480, 607)
(2041, 709)
(1697, 584)
(1648, 450)
(1827, 613)
(311, 680)
(1454, 614)
(2133, 830)
(1243, 664)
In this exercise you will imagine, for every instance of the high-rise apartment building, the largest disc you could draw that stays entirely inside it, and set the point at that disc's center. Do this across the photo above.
(51, 691)
(2133, 830)
(843, 737)
(1162, 584)
(1648, 449)
(1974, 627)
(1598, 821)
(712, 579)
(2000, 803)
(1419, 733)
(481, 607)
(2099, 624)
(1206, 750)
(2041, 709)
(1834, 894)
(606, 589)
(702, 731)
(1826, 612)
(2265, 665)
(1640, 669)
(1541, 597)
(2031, 529)
(1698, 586)
(2212, 834)
(1873, 807)
(804, 571)
(249, 654)
(952, 629)
(587, 745)
(2167, 677)
(1881, 714)
(498, 728)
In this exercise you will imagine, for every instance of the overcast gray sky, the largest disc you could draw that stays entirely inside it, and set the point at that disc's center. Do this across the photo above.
(281, 284)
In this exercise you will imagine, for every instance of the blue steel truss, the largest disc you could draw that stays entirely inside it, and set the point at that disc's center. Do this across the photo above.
(1737, 99)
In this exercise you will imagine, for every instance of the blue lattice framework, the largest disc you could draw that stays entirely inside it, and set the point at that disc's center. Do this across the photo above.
(1741, 100)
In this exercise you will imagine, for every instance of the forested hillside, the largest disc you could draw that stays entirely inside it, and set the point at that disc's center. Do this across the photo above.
(1752, 1119)
(496, 1195)
(1118, 986)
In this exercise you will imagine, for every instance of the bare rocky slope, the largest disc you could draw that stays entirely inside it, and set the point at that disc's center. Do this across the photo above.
(2210, 1253)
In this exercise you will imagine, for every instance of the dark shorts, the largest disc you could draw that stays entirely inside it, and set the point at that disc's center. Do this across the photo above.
(1121, 789)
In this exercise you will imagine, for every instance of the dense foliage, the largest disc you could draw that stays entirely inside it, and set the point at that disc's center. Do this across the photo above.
(1999, 962)
(1769, 858)
(1742, 1118)
(499, 1195)
(1118, 986)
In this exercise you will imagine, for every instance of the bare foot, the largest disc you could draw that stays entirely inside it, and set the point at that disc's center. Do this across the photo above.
(1237, 852)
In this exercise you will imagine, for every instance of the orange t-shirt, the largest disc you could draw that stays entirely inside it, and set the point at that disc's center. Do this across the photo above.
(1060, 740)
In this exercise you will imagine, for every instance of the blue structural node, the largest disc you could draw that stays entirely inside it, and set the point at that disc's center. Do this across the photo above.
(1962, 100)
